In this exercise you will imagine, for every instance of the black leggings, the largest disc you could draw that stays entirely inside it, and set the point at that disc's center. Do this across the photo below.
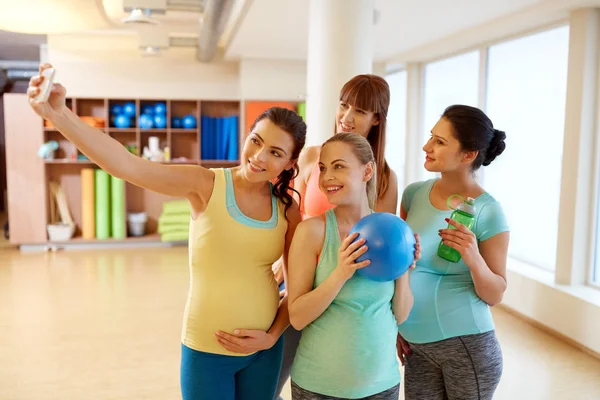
(464, 367)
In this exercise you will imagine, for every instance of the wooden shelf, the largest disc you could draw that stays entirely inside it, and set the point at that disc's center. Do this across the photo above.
(121, 130)
(193, 162)
(69, 161)
(173, 130)
(219, 163)
(29, 218)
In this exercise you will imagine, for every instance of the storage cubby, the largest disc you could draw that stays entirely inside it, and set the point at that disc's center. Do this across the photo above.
(219, 130)
(127, 138)
(69, 178)
(122, 113)
(184, 145)
(66, 150)
(184, 115)
(32, 195)
(153, 115)
(145, 139)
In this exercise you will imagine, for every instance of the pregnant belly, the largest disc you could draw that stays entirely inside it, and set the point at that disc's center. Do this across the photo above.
(348, 349)
(226, 306)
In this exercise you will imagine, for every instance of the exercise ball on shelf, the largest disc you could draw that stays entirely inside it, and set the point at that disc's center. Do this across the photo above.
(147, 109)
(122, 121)
(116, 109)
(146, 121)
(160, 108)
(160, 121)
(189, 122)
(129, 109)
(176, 122)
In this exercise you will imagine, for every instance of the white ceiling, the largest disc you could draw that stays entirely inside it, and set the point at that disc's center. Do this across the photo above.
(271, 29)
(279, 28)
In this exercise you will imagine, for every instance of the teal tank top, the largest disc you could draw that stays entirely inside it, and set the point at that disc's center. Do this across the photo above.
(446, 304)
(350, 350)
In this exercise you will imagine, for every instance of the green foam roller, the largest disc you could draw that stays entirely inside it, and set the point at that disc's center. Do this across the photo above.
(117, 207)
(102, 204)
(302, 111)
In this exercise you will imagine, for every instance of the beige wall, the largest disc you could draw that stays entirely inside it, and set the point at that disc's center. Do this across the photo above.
(97, 66)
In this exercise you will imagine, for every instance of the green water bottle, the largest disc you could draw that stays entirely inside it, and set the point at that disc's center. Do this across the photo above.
(463, 214)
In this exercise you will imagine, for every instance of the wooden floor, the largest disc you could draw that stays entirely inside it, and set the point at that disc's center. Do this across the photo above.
(106, 325)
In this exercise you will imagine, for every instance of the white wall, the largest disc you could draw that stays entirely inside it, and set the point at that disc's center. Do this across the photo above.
(100, 66)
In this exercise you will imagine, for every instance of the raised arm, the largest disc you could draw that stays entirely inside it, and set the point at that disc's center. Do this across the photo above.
(110, 155)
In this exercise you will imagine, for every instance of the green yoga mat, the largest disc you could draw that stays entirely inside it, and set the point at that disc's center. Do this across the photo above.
(117, 207)
(102, 204)
(302, 111)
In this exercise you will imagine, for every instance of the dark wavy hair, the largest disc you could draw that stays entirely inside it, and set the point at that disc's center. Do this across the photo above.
(475, 132)
(292, 123)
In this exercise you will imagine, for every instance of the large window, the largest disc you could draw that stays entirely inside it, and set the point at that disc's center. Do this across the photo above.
(450, 81)
(526, 95)
(395, 148)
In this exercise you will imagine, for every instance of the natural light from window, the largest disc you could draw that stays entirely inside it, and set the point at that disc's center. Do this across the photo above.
(450, 81)
(527, 82)
(395, 148)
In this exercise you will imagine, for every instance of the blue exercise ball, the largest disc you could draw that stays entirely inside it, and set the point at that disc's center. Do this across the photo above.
(129, 109)
(175, 122)
(147, 109)
(391, 246)
(146, 121)
(122, 121)
(160, 121)
(160, 108)
(116, 109)
(189, 122)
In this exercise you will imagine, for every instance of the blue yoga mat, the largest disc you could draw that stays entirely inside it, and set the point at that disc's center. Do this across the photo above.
(219, 138)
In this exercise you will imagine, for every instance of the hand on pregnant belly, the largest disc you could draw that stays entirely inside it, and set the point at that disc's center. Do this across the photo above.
(246, 341)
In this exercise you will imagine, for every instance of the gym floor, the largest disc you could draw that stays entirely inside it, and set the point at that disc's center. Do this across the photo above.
(105, 324)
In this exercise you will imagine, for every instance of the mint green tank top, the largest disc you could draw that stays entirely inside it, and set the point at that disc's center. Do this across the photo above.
(350, 350)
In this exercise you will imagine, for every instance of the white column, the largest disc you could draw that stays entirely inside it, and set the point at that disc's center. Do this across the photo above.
(340, 46)
(415, 157)
(579, 178)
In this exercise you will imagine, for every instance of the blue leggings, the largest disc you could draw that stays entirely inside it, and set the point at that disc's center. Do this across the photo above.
(207, 376)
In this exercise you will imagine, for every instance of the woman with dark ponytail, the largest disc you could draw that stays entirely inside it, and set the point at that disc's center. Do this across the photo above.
(447, 343)
(231, 344)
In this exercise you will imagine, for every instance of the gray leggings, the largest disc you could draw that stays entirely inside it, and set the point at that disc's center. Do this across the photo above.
(302, 394)
(464, 367)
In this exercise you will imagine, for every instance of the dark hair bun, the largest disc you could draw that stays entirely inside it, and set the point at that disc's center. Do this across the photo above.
(497, 146)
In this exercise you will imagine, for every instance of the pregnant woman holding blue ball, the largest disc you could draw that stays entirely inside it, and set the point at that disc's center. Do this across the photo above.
(447, 343)
(348, 321)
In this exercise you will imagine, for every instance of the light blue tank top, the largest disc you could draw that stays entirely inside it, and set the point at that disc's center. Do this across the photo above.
(238, 215)
(446, 304)
(350, 350)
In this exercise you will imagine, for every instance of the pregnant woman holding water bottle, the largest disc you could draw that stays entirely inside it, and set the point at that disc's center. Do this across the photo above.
(448, 344)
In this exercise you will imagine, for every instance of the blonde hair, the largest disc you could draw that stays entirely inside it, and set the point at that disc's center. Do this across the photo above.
(363, 151)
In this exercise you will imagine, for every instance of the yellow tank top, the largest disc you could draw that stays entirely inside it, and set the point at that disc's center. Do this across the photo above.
(232, 285)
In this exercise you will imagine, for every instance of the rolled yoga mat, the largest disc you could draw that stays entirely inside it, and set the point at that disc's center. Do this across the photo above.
(102, 189)
(88, 214)
(117, 208)
(302, 110)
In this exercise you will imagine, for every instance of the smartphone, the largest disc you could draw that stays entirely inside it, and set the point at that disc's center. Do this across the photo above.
(46, 85)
